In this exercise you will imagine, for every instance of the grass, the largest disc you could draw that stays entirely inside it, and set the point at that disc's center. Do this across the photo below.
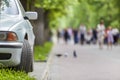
(7, 74)
(41, 52)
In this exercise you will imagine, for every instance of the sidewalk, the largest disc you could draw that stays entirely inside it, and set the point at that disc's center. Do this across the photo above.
(91, 63)
(39, 68)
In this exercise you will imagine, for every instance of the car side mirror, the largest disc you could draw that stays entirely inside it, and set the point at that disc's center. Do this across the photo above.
(31, 15)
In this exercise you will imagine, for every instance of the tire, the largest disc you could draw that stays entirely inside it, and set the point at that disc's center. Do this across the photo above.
(26, 63)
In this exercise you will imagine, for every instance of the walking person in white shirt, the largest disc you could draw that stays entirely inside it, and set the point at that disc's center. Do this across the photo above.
(101, 33)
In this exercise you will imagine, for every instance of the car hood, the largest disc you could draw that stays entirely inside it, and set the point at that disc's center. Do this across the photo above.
(6, 22)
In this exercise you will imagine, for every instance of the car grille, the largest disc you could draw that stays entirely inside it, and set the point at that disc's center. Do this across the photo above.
(5, 56)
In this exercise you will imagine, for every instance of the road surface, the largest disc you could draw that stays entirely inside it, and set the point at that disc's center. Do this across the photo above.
(91, 63)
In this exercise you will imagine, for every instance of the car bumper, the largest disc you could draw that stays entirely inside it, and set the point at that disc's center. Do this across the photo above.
(10, 53)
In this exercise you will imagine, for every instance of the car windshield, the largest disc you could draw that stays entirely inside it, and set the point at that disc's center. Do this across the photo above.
(8, 7)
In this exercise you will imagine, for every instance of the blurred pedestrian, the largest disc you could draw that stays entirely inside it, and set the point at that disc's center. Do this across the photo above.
(115, 32)
(110, 37)
(70, 33)
(101, 33)
(75, 35)
(88, 36)
(94, 35)
(66, 36)
(58, 35)
(82, 33)
(105, 36)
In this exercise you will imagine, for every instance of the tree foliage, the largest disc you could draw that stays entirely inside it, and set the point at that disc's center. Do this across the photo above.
(89, 12)
(64, 13)
(56, 9)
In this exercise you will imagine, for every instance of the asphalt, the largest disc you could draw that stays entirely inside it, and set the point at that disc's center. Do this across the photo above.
(90, 62)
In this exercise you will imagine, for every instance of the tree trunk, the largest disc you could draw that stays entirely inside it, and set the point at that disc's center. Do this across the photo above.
(39, 27)
(47, 29)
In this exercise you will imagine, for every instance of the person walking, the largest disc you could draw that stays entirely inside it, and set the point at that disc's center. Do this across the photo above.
(110, 37)
(94, 35)
(88, 36)
(66, 36)
(70, 33)
(58, 35)
(82, 33)
(101, 33)
(75, 35)
(115, 32)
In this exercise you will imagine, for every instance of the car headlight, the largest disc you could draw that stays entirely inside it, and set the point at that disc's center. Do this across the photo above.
(8, 36)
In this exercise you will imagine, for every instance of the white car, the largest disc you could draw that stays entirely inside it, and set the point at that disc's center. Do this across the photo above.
(16, 36)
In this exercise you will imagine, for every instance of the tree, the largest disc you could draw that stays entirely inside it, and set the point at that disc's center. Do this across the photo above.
(52, 11)
(90, 12)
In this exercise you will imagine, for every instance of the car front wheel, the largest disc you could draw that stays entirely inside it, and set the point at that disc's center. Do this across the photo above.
(26, 63)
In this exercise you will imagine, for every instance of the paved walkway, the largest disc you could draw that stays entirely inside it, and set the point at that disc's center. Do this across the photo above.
(39, 68)
(91, 63)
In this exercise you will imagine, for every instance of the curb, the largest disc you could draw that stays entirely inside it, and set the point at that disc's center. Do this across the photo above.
(45, 75)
